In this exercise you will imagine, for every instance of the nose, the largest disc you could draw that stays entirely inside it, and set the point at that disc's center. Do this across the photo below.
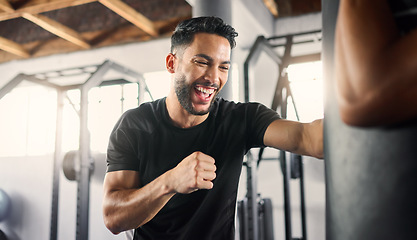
(213, 74)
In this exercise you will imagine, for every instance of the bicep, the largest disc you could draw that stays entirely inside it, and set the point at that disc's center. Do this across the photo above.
(365, 31)
(386, 86)
(375, 66)
(121, 180)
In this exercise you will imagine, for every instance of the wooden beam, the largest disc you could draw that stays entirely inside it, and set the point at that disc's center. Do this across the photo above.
(12, 47)
(131, 15)
(57, 29)
(284, 8)
(5, 6)
(272, 7)
(40, 6)
(300, 7)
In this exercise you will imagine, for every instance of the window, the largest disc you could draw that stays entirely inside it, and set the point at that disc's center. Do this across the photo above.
(27, 122)
(28, 115)
(306, 82)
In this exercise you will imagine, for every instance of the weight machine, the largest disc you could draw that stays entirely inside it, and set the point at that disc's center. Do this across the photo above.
(78, 165)
(255, 213)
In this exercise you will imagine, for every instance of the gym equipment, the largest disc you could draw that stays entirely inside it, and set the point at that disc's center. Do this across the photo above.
(78, 163)
(371, 173)
(255, 213)
(5, 205)
(256, 222)
(71, 165)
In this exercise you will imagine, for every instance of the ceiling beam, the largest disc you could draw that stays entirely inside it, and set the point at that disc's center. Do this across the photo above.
(39, 6)
(57, 29)
(131, 15)
(12, 47)
(272, 7)
(284, 8)
(5, 6)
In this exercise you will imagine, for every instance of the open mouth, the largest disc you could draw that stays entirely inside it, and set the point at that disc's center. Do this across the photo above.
(205, 93)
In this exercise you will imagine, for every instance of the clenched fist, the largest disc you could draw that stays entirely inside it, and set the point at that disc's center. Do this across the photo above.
(197, 171)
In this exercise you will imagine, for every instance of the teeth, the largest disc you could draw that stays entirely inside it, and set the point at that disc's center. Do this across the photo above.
(205, 90)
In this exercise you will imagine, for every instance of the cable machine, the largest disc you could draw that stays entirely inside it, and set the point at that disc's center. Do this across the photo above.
(78, 165)
(255, 213)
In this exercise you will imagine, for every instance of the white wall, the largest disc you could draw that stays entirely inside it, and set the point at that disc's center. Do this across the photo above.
(28, 182)
(304, 23)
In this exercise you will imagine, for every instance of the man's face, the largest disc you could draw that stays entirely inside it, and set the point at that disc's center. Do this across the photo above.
(201, 72)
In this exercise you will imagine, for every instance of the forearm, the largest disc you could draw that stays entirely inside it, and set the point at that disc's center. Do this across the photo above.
(312, 139)
(126, 209)
(126, 206)
(365, 32)
(296, 137)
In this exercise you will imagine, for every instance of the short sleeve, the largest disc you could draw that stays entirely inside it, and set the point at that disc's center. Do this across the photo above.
(121, 151)
(259, 118)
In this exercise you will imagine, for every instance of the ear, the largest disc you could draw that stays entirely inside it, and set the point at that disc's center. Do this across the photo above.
(170, 63)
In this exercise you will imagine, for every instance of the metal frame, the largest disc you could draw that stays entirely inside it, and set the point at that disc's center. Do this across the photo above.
(83, 177)
(282, 93)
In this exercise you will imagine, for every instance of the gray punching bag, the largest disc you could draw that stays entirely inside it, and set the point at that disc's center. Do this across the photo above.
(371, 173)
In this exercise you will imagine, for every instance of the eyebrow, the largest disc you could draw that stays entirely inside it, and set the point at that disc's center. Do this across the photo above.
(208, 58)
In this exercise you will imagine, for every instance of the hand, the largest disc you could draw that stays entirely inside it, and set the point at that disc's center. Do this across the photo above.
(197, 171)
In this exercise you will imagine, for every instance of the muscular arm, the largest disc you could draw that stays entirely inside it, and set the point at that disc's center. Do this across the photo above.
(126, 206)
(376, 68)
(296, 137)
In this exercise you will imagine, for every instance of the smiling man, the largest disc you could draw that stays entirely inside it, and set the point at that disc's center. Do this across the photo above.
(174, 164)
(199, 72)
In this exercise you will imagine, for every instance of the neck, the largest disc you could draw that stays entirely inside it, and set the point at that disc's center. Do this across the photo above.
(181, 117)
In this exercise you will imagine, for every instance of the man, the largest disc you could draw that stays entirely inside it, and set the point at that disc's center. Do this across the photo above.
(375, 64)
(174, 164)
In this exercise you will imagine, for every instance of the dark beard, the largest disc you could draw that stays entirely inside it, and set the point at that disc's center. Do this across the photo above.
(183, 92)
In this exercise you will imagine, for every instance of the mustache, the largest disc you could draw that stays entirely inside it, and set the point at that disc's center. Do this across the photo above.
(206, 84)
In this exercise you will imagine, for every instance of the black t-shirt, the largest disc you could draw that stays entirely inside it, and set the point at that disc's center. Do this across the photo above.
(145, 140)
(405, 14)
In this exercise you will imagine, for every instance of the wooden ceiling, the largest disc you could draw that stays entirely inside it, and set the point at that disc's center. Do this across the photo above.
(33, 28)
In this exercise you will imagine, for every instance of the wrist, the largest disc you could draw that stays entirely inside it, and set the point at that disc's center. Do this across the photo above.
(166, 186)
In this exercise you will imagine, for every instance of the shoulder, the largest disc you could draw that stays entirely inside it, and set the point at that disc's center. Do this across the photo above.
(143, 117)
(223, 106)
(249, 114)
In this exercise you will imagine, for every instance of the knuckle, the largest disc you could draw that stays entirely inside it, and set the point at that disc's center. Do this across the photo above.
(197, 154)
(196, 183)
(193, 163)
(195, 173)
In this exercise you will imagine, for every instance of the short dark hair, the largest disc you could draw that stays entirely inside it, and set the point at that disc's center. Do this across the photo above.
(184, 33)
